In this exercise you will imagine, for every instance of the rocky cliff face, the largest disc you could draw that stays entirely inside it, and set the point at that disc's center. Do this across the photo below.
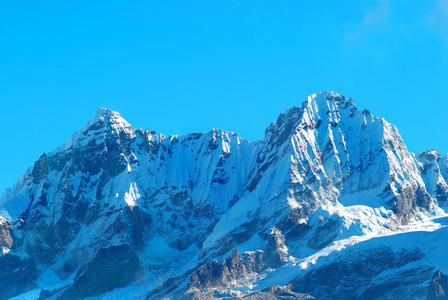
(172, 208)
(433, 172)
(438, 286)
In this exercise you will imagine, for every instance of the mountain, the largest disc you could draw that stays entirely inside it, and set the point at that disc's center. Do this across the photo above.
(329, 204)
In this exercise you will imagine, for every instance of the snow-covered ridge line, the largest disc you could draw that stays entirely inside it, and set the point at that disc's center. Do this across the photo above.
(325, 173)
(118, 123)
(99, 116)
(104, 118)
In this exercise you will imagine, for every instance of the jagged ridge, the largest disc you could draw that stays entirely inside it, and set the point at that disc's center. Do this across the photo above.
(201, 195)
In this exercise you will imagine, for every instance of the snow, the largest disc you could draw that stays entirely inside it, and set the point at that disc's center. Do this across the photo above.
(255, 242)
(102, 114)
(15, 200)
(132, 195)
(48, 278)
(367, 198)
(336, 158)
(157, 247)
(32, 295)
(233, 218)
(430, 234)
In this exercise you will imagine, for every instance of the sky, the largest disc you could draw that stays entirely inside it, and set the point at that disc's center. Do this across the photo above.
(178, 67)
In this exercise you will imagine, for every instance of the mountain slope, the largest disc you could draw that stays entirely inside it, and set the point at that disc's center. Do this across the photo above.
(165, 207)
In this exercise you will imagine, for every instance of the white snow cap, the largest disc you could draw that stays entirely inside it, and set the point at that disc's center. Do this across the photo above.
(103, 114)
(109, 117)
(104, 118)
(324, 96)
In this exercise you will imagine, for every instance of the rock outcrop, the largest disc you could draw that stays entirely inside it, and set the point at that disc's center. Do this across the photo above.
(438, 288)
(223, 273)
(17, 275)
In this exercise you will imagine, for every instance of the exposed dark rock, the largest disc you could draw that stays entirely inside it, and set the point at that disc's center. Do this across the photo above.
(16, 275)
(61, 233)
(137, 222)
(345, 279)
(254, 261)
(272, 292)
(276, 250)
(429, 155)
(237, 236)
(292, 219)
(44, 294)
(6, 235)
(217, 274)
(405, 202)
(406, 284)
(223, 273)
(325, 233)
(280, 131)
(438, 287)
(441, 193)
(169, 286)
(179, 198)
(110, 268)
(40, 169)
(275, 292)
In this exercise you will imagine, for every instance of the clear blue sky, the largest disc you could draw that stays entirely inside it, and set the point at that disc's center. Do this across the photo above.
(187, 66)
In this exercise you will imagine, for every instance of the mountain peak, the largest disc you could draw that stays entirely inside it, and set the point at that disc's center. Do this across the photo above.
(328, 182)
(323, 99)
(318, 106)
(327, 94)
(103, 120)
(104, 117)
(100, 113)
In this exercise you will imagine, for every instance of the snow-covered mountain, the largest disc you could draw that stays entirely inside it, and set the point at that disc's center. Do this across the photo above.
(329, 204)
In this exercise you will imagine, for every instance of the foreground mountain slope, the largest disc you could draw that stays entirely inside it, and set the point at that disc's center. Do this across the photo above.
(164, 208)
